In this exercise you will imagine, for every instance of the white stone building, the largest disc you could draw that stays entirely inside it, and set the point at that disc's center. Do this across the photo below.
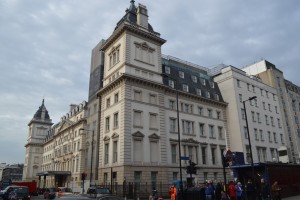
(56, 155)
(138, 116)
(263, 113)
(64, 151)
(289, 102)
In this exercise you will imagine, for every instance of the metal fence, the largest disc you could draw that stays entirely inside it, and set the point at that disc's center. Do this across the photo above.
(141, 191)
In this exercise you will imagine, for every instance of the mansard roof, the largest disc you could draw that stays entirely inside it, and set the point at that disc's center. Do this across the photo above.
(202, 79)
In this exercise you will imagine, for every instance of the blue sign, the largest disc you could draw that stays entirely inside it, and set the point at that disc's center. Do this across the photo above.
(184, 158)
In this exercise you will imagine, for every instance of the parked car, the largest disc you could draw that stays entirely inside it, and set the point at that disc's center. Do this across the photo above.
(22, 192)
(95, 192)
(49, 193)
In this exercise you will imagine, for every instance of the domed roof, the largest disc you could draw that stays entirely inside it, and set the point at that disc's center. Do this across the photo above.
(42, 112)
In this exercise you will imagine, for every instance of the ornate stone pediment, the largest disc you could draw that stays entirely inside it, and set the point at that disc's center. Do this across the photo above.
(138, 134)
(144, 45)
(154, 136)
(115, 135)
(65, 124)
(190, 140)
(106, 138)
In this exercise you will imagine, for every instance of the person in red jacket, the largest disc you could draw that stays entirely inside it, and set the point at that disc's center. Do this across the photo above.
(232, 190)
(172, 192)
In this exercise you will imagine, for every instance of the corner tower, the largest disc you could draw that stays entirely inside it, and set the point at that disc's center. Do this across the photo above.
(132, 63)
(38, 127)
(134, 48)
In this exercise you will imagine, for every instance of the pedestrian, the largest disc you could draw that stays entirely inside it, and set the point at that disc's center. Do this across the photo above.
(276, 190)
(154, 194)
(232, 191)
(209, 191)
(264, 190)
(250, 190)
(239, 191)
(172, 192)
(218, 191)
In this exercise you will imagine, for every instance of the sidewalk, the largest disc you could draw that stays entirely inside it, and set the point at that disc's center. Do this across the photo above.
(288, 198)
(292, 198)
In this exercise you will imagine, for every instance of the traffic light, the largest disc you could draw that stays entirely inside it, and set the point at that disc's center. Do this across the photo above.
(83, 175)
(228, 158)
(188, 169)
(193, 168)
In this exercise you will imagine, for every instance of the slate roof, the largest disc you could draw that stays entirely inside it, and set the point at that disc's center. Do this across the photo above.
(38, 114)
(200, 73)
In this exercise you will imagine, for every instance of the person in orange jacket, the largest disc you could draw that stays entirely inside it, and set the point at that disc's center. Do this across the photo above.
(172, 192)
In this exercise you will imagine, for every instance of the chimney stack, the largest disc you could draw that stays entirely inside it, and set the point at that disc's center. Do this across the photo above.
(142, 16)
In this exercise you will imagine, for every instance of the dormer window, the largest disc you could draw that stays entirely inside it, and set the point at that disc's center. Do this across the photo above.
(203, 82)
(194, 78)
(185, 87)
(207, 94)
(198, 91)
(171, 83)
(167, 70)
(217, 97)
(181, 74)
(114, 56)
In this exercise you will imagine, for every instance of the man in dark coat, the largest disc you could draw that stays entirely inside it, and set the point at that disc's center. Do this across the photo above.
(264, 190)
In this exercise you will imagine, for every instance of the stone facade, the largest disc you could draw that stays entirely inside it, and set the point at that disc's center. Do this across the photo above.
(263, 113)
(138, 134)
(38, 129)
(289, 99)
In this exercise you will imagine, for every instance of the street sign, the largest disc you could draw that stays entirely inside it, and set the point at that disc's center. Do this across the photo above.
(184, 158)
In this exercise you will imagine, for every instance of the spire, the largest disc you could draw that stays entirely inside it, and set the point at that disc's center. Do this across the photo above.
(132, 7)
(42, 112)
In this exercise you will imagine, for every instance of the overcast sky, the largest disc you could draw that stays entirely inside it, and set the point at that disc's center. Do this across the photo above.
(45, 48)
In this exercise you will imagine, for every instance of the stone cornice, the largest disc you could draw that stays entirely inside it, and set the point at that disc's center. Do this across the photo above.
(160, 86)
(33, 144)
(133, 29)
(40, 122)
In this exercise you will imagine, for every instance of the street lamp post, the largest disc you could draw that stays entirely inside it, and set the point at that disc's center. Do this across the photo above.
(92, 154)
(179, 143)
(250, 148)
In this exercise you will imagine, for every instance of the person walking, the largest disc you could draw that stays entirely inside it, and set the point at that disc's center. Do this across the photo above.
(209, 191)
(232, 191)
(172, 192)
(276, 190)
(250, 190)
(264, 190)
(154, 194)
(239, 191)
(218, 191)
